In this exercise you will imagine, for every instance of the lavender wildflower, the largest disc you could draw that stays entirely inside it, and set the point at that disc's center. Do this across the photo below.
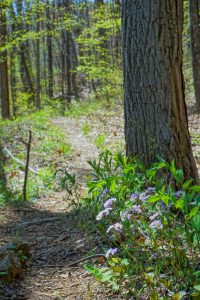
(126, 215)
(164, 207)
(136, 209)
(135, 196)
(150, 190)
(179, 194)
(157, 224)
(111, 252)
(154, 216)
(103, 193)
(144, 197)
(109, 203)
(103, 213)
(116, 228)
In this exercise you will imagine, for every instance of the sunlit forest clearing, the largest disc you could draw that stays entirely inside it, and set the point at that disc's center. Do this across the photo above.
(99, 149)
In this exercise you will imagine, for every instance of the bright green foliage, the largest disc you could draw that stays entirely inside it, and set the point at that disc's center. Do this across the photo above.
(100, 141)
(47, 149)
(99, 60)
(151, 221)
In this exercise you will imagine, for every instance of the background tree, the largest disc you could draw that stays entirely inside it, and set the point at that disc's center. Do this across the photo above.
(5, 107)
(155, 111)
(195, 47)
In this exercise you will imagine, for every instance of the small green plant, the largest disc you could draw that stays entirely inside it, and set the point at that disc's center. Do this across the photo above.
(100, 141)
(48, 148)
(151, 224)
(86, 128)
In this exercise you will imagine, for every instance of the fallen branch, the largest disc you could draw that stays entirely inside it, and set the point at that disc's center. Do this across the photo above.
(87, 258)
(17, 160)
(77, 262)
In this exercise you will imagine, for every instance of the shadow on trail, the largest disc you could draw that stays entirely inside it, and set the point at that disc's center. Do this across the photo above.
(55, 241)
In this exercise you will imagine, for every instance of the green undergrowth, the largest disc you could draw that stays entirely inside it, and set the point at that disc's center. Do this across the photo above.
(149, 222)
(48, 151)
(84, 108)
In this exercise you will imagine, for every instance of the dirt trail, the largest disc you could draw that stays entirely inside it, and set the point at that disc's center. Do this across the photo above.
(52, 234)
(55, 241)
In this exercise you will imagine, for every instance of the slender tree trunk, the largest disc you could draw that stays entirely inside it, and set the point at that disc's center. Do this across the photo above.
(37, 79)
(195, 45)
(5, 107)
(24, 56)
(67, 53)
(155, 112)
(13, 82)
(49, 52)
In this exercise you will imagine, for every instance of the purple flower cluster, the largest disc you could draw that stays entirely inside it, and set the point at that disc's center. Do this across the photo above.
(115, 228)
(103, 213)
(135, 196)
(154, 216)
(133, 210)
(157, 224)
(144, 196)
(103, 193)
(111, 252)
(126, 215)
(136, 209)
(110, 203)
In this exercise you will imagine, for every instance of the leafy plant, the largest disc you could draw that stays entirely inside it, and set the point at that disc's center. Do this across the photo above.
(150, 219)
(100, 140)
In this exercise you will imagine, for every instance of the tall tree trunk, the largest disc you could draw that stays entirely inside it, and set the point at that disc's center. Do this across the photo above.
(155, 112)
(49, 52)
(68, 56)
(24, 56)
(195, 45)
(5, 107)
(37, 79)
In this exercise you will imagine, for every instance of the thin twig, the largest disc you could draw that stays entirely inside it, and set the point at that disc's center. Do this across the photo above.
(28, 145)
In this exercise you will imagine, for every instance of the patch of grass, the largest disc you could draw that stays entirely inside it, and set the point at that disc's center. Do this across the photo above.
(195, 137)
(86, 129)
(48, 149)
(85, 108)
(100, 141)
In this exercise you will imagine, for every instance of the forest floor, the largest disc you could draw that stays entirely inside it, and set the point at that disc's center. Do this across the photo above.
(50, 224)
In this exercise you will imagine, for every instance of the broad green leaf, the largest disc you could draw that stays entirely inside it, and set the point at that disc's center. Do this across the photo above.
(179, 296)
(195, 188)
(194, 211)
(187, 184)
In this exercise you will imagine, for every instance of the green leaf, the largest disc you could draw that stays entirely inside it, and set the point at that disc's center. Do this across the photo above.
(154, 199)
(197, 288)
(106, 276)
(179, 296)
(187, 184)
(195, 188)
(193, 212)
(179, 175)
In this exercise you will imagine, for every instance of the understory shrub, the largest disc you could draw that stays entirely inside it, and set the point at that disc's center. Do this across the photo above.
(150, 223)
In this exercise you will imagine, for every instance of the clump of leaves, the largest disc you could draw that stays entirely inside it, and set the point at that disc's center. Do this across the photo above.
(150, 220)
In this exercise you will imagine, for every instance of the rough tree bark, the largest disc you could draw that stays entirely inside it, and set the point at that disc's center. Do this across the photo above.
(195, 45)
(155, 112)
(5, 107)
